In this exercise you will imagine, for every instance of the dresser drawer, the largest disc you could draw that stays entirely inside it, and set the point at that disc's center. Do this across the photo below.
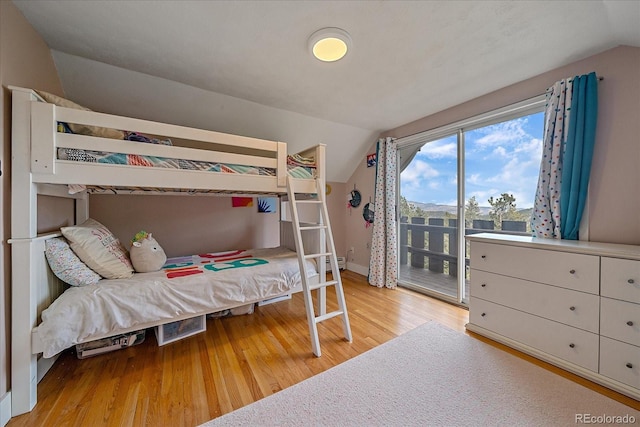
(568, 270)
(621, 279)
(620, 320)
(568, 343)
(620, 361)
(570, 307)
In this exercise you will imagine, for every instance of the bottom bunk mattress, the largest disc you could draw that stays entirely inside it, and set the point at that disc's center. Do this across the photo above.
(190, 285)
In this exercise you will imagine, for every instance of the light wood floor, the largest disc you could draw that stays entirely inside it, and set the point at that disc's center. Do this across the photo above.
(237, 361)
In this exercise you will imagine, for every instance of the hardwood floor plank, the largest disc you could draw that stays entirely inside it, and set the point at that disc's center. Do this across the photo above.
(230, 373)
(237, 361)
(212, 403)
(127, 412)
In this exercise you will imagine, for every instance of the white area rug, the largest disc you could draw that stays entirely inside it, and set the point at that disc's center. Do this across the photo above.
(432, 376)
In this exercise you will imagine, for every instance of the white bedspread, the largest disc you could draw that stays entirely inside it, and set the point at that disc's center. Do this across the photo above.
(186, 285)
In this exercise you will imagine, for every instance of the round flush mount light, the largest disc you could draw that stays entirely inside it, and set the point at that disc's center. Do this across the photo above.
(329, 44)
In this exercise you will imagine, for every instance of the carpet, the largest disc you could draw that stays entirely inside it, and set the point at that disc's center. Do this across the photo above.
(433, 376)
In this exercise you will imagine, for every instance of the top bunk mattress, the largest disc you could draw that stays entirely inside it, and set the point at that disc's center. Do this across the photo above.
(297, 166)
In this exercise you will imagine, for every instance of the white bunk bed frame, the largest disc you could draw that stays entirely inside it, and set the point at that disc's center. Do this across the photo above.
(36, 170)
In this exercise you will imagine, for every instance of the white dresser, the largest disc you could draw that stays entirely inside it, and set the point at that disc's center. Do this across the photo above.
(573, 304)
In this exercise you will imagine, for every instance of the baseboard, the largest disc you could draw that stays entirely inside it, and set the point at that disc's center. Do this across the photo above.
(358, 268)
(5, 409)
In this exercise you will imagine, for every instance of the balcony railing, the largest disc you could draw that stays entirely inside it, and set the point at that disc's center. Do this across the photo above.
(437, 244)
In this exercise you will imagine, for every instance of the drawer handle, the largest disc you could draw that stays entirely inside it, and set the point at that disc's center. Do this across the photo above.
(572, 271)
(484, 285)
(483, 256)
(483, 314)
(630, 323)
(631, 281)
(629, 365)
(572, 308)
(572, 345)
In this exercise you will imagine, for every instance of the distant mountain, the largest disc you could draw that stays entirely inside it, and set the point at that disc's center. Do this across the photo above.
(434, 207)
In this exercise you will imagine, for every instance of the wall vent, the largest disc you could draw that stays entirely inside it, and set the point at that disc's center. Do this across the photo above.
(342, 263)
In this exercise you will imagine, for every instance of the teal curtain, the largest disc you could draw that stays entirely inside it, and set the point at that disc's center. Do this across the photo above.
(578, 154)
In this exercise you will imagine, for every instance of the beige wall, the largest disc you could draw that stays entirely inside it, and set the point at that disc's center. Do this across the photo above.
(336, 203)
(358, 234)
(613, 196)
(196, 224)
(25, 60)
(185, 225)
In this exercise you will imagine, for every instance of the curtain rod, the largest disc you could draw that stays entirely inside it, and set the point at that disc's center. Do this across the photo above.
(599, 79)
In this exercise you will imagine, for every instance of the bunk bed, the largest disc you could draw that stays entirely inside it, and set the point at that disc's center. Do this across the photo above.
(46, 160)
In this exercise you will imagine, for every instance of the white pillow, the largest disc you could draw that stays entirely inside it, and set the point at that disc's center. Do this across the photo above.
(97, 247)
(66, 265)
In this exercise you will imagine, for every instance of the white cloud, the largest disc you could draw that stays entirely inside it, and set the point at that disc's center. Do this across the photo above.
(474, 179)
(510, 132)
(531, 148)
(514, 169)
(499, 152)
(434, 185)
(483, 195)
(519, 177)
(417, 171)
(439, 149)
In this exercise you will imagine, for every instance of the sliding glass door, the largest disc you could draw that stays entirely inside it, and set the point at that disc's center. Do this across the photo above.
(470, 177)
(429, 215)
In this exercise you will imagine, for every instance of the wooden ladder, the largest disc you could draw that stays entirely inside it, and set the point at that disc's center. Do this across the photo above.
(326, 250)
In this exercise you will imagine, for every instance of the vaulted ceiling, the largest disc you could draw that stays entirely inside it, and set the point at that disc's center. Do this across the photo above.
(248, 64)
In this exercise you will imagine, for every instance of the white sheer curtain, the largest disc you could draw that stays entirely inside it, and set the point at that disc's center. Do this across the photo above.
(383, 265)
(545, 221)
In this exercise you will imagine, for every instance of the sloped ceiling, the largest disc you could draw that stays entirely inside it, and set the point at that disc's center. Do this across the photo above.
(244, 67)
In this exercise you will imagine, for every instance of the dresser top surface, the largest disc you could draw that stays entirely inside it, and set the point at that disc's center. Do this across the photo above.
(576, 246)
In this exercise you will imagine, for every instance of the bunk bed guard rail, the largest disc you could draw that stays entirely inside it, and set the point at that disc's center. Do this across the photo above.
(211, 147)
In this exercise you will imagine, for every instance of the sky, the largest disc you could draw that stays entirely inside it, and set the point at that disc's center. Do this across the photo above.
(501, 158)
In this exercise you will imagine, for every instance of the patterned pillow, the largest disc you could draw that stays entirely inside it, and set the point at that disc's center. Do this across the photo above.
(76, 155)
(66, 265)
(97, 247)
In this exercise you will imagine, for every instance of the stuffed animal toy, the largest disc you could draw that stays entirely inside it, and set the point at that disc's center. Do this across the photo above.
(146, 254)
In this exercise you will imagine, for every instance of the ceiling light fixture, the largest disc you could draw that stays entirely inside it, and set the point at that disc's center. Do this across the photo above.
(329, 44)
